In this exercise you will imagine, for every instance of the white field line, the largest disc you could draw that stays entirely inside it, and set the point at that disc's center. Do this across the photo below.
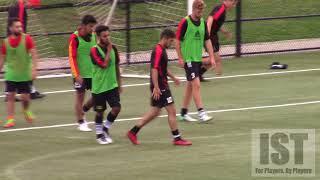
(163, 116)
(183, 78)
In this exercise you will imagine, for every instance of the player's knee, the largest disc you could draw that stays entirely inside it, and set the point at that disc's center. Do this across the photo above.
(116, 110)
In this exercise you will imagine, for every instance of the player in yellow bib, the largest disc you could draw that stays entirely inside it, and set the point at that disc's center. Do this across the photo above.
(19, 58)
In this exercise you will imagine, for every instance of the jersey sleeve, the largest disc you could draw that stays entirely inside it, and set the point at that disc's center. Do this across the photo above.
(182, 29)
(73, 46)
(3, 48)
(156, 57)
(97, 58)
(29, 42)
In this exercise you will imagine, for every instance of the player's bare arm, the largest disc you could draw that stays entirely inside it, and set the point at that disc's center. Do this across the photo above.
(156, 90)
(35, 57)
(210, 51)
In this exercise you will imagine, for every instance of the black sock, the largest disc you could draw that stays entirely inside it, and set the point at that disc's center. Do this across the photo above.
(202, 71)
(106, 130)
(98, 119)
(176, 135)
(111, 117)
(135, 130)
(99, 136)
(200, 109)
(80, 121)
(85, 108)
(184, 111)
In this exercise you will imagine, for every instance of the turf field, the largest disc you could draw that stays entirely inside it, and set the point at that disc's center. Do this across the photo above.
(221, 149)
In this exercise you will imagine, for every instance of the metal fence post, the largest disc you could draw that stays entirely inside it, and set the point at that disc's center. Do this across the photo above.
(238, 29)
(128, 29)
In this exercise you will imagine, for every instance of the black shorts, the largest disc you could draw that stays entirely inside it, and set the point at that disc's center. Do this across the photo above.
(86, 85)
(164, 100)
(19, 87)
(192, 70)
(215, 43)
(111, 97)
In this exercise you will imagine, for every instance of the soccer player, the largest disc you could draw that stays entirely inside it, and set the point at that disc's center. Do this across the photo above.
(192, 34)
(215, 23)
(161, 94)
(80, 45)
(106, 83)
(18, 10)
(19, 56)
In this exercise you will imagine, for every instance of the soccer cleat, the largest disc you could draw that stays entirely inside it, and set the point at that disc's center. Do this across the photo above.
(102, 140)
(37, 95)
(10, 123)
(84, 127)
(133, 138)
(203, 117)
(28, 115)
(108, 137)
(182, 142)
(187, 118)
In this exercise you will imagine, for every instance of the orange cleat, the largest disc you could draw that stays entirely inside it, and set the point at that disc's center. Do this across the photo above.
(9, 124)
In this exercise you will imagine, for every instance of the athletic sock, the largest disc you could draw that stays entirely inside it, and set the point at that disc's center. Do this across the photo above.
(99, 131)
(80, 121)
(200, 110)
(184, 111)
(135, 130)
(110, 119)
(176, 135)
(85, 108)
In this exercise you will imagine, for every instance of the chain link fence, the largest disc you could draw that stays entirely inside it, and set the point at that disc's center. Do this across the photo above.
(258, 26)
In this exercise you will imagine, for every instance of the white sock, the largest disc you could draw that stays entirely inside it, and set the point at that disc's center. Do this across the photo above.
(108, 124)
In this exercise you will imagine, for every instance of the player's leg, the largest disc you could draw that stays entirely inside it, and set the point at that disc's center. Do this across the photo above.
(190, 75)
(113, 99)
(218, 60)
(89, 104)
(147, 117)
(25, 90)
(78, 106)
(11, 94)
(196, 94)
(99, 107)
(172, 120)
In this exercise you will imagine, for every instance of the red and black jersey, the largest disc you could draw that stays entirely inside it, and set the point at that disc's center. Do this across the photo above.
(183, 26)
(219, 16)
(159, 61)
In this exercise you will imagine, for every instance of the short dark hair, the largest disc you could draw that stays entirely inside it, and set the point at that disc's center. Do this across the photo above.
(88, 19)
(12, 21)
(167, 33)
(101, 28)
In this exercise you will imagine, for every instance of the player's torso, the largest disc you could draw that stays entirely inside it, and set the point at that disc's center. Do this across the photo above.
(83, 55)
(219, 12)
(104, 79)
(17, 61)
(162, 72)
(193, 41)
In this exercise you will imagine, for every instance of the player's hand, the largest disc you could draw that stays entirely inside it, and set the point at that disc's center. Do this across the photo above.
(176, 81)
(79, 80)
(34, 74)
(213, 63)
(228, 35)
(109, 46)
(156, 93)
